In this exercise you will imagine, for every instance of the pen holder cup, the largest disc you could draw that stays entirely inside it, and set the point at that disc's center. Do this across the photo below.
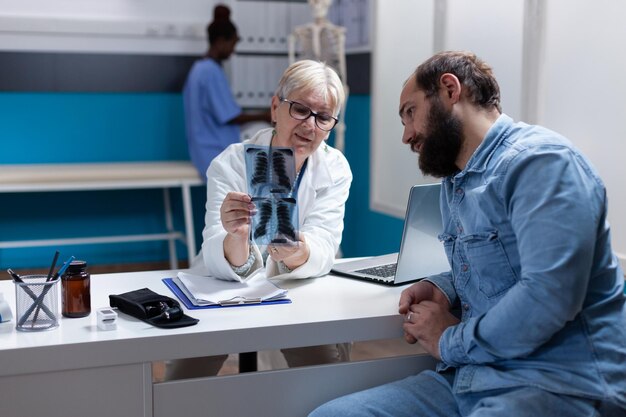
(36, 303)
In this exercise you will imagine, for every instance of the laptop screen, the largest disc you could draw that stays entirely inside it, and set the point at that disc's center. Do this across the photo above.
(421, 252)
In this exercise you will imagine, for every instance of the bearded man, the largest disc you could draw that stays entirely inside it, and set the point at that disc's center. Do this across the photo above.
(542, 323)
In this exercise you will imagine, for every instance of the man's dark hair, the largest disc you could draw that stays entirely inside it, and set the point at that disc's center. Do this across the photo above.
(473, 73)
(221, 26)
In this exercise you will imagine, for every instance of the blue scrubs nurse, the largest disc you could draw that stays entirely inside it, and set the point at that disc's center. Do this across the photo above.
(212, 116)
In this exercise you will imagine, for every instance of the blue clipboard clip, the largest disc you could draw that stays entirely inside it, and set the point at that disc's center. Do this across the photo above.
(239, 300)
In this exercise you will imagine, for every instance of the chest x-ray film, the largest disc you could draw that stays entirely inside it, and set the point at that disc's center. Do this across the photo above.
(273, 186)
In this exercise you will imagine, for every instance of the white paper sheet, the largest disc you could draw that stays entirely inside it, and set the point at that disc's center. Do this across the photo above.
(203, 290)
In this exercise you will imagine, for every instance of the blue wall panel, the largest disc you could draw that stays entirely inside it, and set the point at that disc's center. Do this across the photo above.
(88, 127)
(91, 127)
(366, 232)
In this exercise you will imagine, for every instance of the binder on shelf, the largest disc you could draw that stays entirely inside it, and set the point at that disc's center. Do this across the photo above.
(197, 292)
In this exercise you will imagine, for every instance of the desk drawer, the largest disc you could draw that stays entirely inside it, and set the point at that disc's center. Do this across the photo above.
(286, 392)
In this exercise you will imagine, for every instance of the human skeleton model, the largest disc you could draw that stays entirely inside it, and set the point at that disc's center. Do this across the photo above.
(325, 42)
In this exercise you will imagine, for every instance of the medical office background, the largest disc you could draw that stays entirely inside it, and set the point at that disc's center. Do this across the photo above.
(92, 81)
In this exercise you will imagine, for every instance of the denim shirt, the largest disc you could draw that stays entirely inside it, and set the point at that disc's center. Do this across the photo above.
(532, 270)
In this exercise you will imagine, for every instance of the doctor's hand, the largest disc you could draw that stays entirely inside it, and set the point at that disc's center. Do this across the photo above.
(293, 255)
(425, 322)
(236, 212)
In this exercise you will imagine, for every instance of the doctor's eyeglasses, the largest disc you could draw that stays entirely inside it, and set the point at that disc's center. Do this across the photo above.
(299, 111)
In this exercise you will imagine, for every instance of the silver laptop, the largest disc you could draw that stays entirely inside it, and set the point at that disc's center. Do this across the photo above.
(421, 253)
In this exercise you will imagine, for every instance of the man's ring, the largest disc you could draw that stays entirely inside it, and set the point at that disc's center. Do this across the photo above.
(408, 316)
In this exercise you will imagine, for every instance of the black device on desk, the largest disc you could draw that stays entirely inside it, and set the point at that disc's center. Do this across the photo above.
(152, 308)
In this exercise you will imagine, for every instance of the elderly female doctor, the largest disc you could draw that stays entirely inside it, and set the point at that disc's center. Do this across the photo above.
(304, 110)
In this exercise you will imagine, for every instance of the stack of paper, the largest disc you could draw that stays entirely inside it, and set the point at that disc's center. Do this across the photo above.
(206, 291)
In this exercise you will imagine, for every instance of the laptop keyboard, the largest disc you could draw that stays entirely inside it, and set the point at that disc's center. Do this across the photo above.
(382, 271)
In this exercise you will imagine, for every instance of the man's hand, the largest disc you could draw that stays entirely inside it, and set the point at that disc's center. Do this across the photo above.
(421, 291)
(425, 296)
(425, 322)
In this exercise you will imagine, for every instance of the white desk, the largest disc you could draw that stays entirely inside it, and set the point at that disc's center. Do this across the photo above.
(108, 176)
(77, 370)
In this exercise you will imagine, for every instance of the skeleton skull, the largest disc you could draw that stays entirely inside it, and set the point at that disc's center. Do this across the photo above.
(320, 8)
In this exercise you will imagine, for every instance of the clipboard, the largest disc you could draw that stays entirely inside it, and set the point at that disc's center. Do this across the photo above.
(169, 283)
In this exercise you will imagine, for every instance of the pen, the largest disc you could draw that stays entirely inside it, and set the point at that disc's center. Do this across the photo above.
(48, 278)
(15, 277)
(65, 265)
(54, 263)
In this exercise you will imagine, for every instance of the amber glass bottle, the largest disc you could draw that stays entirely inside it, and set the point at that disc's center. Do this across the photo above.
(75, 290)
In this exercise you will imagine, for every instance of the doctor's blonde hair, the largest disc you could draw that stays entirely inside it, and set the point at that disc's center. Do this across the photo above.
(309, 75)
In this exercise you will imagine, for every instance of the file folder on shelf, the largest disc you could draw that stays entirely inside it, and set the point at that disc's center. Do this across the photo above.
(197, 292)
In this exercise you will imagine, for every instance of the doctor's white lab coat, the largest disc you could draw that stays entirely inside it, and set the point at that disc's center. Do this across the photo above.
(321, 199)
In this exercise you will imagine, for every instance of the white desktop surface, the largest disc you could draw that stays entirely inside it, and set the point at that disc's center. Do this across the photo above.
(323, 310)
(348, 310)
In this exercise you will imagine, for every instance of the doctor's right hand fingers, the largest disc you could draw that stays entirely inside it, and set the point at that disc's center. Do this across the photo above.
(235, 218)
(237, 202)
(237, 228)
(237, 196)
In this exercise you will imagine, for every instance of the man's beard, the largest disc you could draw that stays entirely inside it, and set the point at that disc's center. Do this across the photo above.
(441, 143)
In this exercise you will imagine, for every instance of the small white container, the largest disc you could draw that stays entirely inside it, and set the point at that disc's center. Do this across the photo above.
(107, 319)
